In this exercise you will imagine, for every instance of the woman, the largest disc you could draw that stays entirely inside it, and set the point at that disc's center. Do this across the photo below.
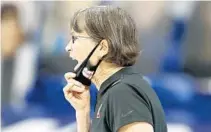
(125, 101)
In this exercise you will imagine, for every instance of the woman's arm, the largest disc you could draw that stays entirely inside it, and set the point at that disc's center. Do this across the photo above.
(137, 127)
(78, 96)
(83, 120)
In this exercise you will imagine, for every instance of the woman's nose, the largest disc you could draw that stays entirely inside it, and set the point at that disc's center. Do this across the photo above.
(68, 48)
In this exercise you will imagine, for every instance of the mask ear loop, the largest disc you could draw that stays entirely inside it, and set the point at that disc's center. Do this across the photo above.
(86, 60)
(94, 68)
(79, 71)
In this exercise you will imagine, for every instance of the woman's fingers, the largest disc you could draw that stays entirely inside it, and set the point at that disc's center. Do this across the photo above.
(74, 91)
(75, 88)
(67, 91)
(68, 97)
(69, 75)
(71, 96)
(76, 83)
(72, 87)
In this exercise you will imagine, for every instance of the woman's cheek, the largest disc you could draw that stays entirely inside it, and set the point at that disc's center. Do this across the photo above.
(80, 53)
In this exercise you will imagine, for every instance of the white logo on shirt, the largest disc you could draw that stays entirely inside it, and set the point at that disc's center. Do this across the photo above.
(124, 115)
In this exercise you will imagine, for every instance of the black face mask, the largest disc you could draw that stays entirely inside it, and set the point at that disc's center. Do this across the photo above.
(86, 64)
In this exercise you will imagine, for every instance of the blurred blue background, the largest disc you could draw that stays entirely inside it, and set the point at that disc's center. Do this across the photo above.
(175, 38)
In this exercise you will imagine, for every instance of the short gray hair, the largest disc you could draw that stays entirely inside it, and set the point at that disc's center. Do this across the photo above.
(113, 24)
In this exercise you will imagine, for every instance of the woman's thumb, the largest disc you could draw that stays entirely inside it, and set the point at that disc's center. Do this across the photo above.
(69, 75)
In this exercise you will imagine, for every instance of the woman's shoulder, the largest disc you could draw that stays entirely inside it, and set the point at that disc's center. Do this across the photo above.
(131, 84)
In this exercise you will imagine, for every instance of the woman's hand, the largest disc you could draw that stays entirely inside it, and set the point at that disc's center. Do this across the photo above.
(76, 93)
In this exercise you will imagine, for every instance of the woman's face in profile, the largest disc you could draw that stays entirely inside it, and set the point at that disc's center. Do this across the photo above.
(79, 46)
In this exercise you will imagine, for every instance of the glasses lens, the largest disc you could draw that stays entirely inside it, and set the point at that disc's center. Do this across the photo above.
(73, 39)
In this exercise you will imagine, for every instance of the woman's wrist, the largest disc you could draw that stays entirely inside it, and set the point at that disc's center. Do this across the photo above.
(83, 120)
(84, 112)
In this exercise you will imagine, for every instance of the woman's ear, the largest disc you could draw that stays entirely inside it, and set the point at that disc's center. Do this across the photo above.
(104, 48)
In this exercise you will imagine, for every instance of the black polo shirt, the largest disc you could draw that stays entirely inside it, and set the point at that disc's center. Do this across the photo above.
(124, 98)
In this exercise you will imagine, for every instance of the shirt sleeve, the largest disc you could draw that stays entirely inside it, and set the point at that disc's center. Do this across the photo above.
(125, 106)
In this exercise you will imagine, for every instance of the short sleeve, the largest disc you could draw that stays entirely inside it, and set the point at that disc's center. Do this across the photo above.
(125, 106)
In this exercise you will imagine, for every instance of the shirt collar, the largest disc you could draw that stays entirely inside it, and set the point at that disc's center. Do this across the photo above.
(115, 77)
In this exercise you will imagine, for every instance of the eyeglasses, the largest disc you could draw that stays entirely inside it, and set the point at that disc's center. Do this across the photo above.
(74, 38)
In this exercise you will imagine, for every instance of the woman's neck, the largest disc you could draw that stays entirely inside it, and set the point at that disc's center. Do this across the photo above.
(104, 71)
